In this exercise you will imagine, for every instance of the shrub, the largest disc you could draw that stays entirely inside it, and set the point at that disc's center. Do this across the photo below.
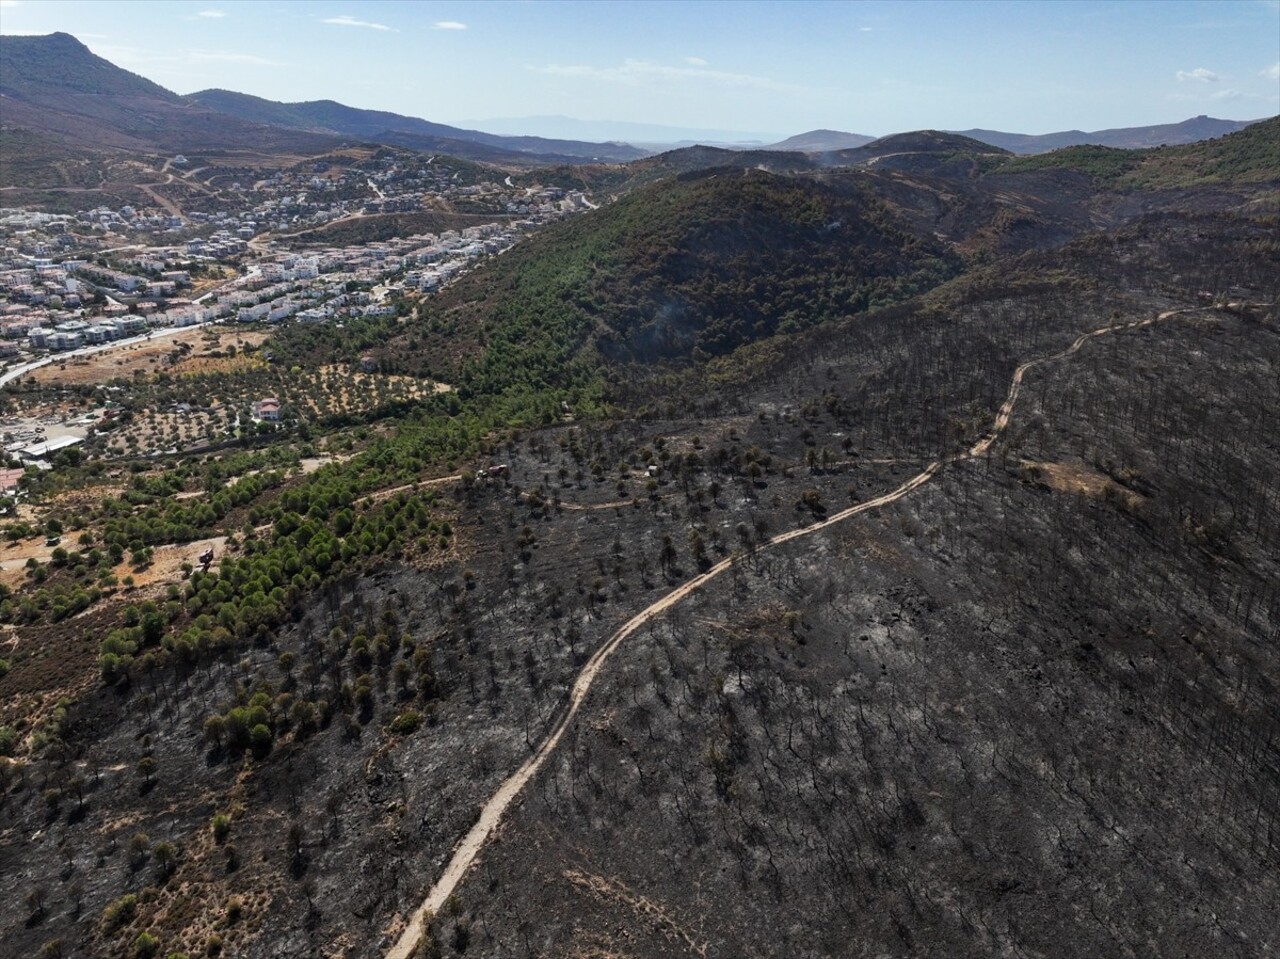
(166, 854)
(260, 738)
(407, 722)
(120, 912)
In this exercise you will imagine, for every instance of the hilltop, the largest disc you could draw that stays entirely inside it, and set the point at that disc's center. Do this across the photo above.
(821, 141)
(1249, 156)
(921, 151)
(617, 179)
(689, 268)
(1126, 138)
(46, 69)
(1192, 130)
(56, 88)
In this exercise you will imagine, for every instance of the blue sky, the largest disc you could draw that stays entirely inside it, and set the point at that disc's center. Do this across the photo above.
(778, 68)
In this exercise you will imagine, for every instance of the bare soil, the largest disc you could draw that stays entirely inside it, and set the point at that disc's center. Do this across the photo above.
(148, 358)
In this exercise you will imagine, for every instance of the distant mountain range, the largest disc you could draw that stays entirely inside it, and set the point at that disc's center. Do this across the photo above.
(58, 99)
(328, 116)
(55, 87)
(924, 151)
(637, 134)
(1126, 138)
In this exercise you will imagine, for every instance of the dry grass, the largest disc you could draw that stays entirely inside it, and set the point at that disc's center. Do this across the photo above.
(165, 568)
(1079, 479)
(201, 363)
(155, 356)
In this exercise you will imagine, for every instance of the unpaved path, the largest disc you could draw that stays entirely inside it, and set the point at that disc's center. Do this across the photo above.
(611, 504)
(1006, 410)
(465, 852)
(169, 206)
(382, 494)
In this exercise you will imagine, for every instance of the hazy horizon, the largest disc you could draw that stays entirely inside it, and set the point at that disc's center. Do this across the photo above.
(731, 69)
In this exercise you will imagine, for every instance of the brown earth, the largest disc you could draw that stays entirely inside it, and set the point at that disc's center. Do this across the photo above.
(144, 357)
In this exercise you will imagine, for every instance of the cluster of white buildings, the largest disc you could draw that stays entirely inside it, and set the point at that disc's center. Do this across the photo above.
(59, 305)
(130, 220)
(73, 334)
(221, 244)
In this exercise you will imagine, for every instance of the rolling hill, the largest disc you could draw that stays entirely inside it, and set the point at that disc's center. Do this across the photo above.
(1128, 138)
(1248, 156)
(916, 141)
(821, 141)
(922, 151)
(686, 268)
(55, 87)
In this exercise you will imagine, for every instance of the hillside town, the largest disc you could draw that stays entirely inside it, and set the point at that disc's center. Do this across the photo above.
(76, 284)
(83, 279)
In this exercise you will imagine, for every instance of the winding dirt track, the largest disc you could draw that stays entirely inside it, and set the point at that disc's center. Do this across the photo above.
(465, 852)
(1006, 409)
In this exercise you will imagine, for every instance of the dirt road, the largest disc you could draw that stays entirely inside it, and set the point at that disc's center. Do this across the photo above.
(382, 494)
(1006, 409)
(465, 852)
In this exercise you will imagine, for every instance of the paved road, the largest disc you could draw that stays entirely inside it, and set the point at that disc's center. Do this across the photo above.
(25, 368)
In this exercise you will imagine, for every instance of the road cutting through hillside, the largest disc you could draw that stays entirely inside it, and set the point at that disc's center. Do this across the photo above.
(382, 494)
(464, 854)
(1006, 409)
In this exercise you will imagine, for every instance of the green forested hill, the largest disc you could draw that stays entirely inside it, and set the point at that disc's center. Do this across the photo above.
(1251, 155)
(622, 178)
(682, 270)
(704, 260)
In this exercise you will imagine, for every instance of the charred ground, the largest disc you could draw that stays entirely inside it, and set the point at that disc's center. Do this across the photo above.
(1028, 708)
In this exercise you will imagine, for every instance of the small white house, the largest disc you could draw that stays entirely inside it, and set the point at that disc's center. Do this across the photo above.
(267, 408)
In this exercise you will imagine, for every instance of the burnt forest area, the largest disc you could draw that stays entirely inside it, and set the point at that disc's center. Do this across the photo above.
(1028, 708)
